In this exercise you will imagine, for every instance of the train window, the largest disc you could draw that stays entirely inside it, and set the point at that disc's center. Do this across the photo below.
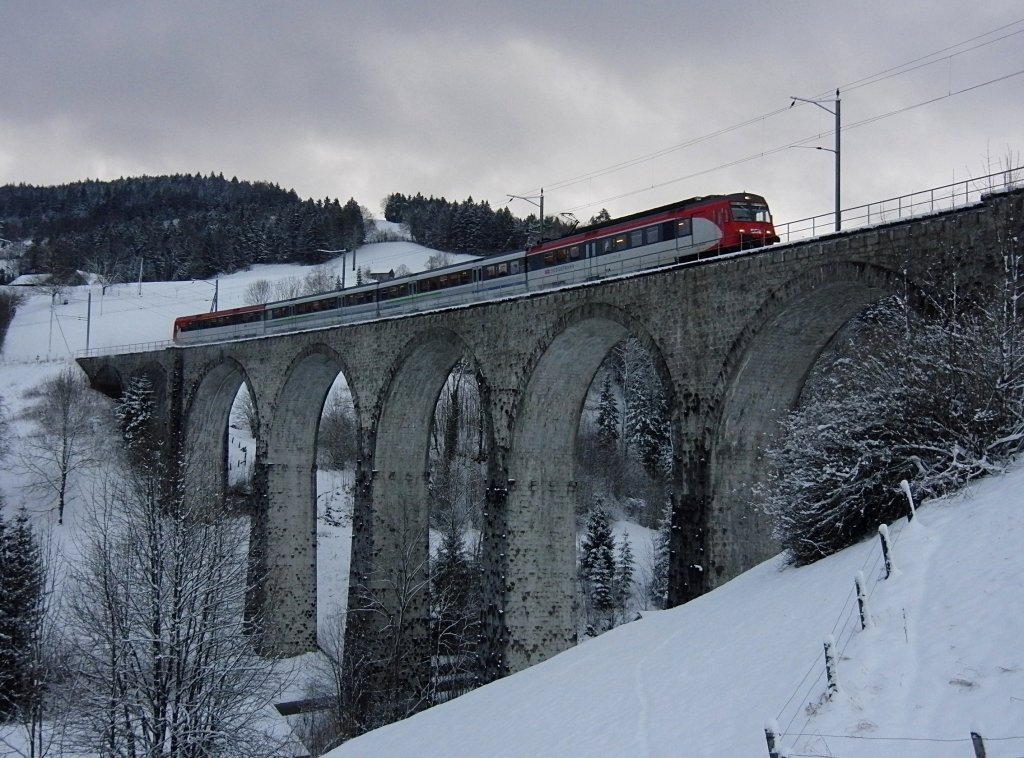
(751, 212)
(359, 298)
(684, 227)
(282, 312)
(315, 306)
(621, 243)
(490, 272)
(515, 267)
(574, 253)
(398, 290)
(556, 257)
(636, 238)
(605, 246)
(652, 234)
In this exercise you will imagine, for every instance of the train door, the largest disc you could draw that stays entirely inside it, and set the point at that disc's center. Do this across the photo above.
(590, 261)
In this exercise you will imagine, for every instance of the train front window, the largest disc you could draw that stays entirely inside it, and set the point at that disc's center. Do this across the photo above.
(751, 212)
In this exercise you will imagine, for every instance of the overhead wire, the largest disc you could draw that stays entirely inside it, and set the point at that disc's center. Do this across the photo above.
(797, 143)
(888, 73)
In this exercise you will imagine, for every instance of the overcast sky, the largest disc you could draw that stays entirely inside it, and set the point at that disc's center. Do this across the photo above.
(361, 99)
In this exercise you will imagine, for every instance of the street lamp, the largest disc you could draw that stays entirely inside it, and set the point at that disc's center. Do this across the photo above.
(342, 251)
(537, 200)
(835, 113)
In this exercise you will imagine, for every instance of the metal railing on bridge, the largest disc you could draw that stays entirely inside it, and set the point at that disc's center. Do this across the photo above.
(136, 347)
(920, 203)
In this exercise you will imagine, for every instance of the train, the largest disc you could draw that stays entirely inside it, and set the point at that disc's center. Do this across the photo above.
(684, 231)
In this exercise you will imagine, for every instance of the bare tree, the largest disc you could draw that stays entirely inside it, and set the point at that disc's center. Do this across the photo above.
(65, 415)
(383, 673)
(5, 430)
(287, 288)
(162, 664)
(319, 280)
(337, 441)
(259, 291)
(438, 260)
(244, 414)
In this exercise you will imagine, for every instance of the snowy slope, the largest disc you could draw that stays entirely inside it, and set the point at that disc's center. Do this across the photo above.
(943, 657)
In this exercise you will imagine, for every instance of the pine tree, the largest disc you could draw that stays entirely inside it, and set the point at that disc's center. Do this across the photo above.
(657, 590)
(625, 566)
(607, 417)
(647, 425)
(597, 567)
(134, 412)
(22, 584)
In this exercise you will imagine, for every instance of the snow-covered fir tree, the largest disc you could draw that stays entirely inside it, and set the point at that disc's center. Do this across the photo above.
(598, 570)
(657, 589)
(625, 567)
(22, 586)
(607, 416)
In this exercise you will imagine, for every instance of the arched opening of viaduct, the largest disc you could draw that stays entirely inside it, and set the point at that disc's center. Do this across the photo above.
(389, 596)
(539, 611)
(760, 383)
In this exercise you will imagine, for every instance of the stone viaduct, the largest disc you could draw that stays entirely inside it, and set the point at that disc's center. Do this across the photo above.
(732, 339)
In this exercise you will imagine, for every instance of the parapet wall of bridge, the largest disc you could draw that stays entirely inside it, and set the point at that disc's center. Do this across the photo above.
(733, 340)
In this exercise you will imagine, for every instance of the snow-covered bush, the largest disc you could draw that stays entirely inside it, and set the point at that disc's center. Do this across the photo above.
(937, 400)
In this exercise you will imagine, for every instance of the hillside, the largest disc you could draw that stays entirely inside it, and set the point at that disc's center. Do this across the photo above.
(171, 227)
(702, 680)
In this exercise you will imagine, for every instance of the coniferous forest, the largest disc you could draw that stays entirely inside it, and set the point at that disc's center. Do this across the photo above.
(175, 227)
(189, 226)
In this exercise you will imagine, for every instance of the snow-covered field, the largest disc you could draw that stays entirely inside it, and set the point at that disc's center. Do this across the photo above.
(942, 657)
(130, 314)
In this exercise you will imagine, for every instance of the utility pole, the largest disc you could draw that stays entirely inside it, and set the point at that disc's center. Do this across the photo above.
(343, 252)
(537, 200)
(836, 102)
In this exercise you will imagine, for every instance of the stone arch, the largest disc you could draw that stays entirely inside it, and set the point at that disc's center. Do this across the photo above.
(406, 406)
(284, 527)
(391, 529)
(206, 421)
(540, 513)
(758, 384)
(108, 381)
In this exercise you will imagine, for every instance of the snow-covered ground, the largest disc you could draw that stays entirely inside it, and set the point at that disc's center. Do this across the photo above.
(943, 656)
(130, 314)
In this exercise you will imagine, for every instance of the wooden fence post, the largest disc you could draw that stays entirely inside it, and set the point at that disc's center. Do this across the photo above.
(979, 745)
(905, 486)
(830, 666)
(862, 601)
(883, 535)
(771, 731)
